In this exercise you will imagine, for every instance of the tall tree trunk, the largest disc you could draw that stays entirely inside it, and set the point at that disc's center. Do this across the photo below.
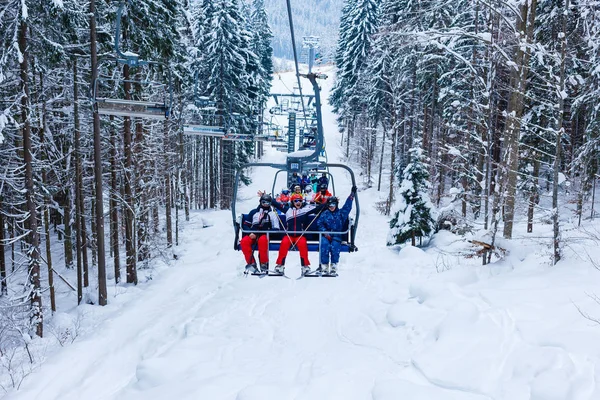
(518, 86)
(559, 133)
(33, 252)
(390, 200)
(114, 209)
(381, 159)
(141, 198)
(533, 196)
(102, 294)
(130, 252)
(80, 230)
(167, 186)
(3, 283)
(212, 177)
(42, 131)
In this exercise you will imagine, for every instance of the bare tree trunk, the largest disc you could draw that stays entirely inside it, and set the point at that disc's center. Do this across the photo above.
(68, 209)
(114, 209)
(42, 131)
(525, 26)
(390, 200)
(141, 198)
(80, 231)
(3, 283)
(381, 159)
(560, 128)
(167, 186)
(212, 174)
(130, 252)
(533, 197)
(102, 294)
(33, 252)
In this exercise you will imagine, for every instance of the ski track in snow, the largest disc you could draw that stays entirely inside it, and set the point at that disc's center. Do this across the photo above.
(388, 327)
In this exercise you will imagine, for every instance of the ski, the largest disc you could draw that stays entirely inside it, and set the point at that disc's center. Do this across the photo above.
(262, 274)
(313, 275)
(278, 274)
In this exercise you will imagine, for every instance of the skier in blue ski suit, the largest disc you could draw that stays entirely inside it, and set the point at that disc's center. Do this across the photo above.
(332, 220)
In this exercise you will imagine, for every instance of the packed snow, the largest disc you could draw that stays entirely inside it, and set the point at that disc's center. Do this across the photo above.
(398, 323)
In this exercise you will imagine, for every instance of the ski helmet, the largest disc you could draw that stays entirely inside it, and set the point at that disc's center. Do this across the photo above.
(332, 201)
(323, 187)
(296, 196)
(266, 198)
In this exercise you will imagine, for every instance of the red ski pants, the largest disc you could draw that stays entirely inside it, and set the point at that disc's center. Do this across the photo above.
(300, 243)
(263, 248)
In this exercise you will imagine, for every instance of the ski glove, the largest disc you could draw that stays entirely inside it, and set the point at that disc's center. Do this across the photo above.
(353, 190)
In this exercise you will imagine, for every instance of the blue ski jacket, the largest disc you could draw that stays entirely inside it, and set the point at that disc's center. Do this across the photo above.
(333, 221)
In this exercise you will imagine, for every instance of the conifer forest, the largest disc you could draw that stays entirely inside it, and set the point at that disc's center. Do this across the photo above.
(465, 114)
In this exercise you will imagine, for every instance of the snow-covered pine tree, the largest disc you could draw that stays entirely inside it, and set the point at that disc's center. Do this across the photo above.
(226, 82)
(415, 216)
(262, 40)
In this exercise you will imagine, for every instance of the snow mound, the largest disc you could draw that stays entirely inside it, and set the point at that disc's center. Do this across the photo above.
(402, 389)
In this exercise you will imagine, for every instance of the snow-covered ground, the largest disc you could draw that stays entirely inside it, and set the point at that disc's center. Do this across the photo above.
(409, 324)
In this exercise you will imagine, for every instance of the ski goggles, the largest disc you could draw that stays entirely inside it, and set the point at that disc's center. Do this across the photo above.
(332, 205)
(265, 202)
(298, 200)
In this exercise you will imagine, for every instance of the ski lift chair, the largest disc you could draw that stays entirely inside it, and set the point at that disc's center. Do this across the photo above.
(313, 235)
(156, 104)
(159, 95)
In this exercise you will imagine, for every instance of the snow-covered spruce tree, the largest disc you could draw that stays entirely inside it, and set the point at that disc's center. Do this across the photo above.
(336, 96)
(415, 215)
(261, 40)
(348, 96)
(226, 81)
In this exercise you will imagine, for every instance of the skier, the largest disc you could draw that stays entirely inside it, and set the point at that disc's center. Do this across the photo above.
(262, 218)
(314, 181)
(297, 220)
(323, 180)
(323, 194)
(295, 179)
(308, 194)
(305, 180)
(332, 220)
(284, 197)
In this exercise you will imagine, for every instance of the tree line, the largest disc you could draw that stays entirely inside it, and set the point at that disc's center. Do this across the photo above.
(500, 97)
(64, 167)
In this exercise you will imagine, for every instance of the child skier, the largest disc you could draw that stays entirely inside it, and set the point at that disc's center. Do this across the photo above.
(332, 220)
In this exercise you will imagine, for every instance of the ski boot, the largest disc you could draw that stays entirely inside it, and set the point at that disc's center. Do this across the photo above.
(251, 269)
(264, 268)
(279, 269)
(333, 270)
(305, 269)
(323, 269)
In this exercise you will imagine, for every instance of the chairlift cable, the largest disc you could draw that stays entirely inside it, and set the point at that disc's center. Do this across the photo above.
(289, 10)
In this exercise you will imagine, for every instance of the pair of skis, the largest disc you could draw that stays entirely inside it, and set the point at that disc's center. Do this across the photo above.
(310, 274)
(262, 273)
(318, 274)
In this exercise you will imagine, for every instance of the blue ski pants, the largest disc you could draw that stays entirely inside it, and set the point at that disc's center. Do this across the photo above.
(328, 247)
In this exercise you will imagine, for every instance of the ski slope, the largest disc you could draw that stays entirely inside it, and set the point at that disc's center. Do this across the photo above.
(413, 324)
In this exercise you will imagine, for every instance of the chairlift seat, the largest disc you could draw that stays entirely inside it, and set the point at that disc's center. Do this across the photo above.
(312, 236)
(132, 108)
(204, 130)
